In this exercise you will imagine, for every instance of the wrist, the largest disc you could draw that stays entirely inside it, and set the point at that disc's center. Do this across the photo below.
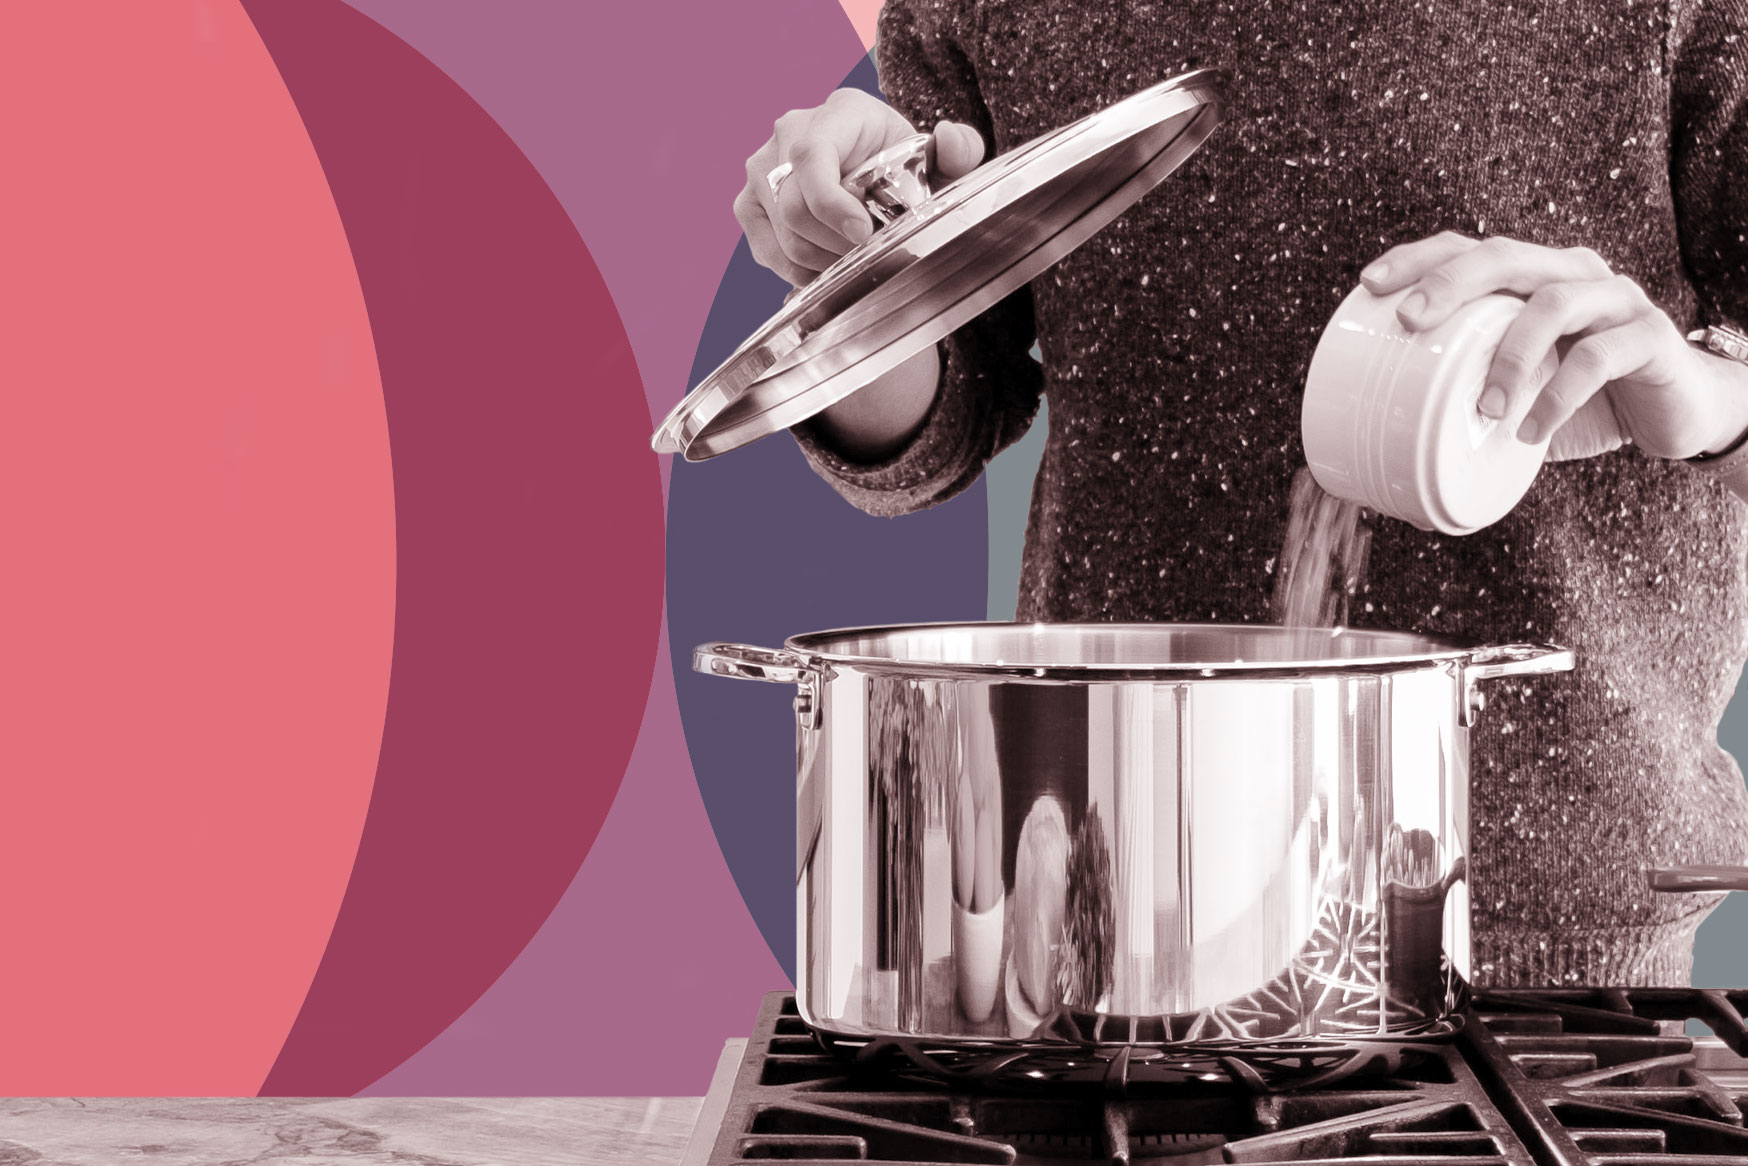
(1725, 457)
(1728, 442)
(1731, 379)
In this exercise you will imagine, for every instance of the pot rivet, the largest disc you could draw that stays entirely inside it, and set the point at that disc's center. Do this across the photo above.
(1474, 704)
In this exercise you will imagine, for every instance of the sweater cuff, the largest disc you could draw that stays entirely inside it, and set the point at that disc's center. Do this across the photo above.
(1658, 956)
(919, 473)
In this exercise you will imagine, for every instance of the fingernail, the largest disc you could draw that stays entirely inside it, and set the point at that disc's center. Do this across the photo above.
(857, 229)
(1413, 306)
(1376, 273)
(1493, 402)
(1530, 431)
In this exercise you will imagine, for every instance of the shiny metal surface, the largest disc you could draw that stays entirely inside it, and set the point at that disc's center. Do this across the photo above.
(1157, 650)
(780, 667)
(942, 261)
(778, 176)
(1726, 342)
(1261, 841)
(1682, 879)
(893, 181)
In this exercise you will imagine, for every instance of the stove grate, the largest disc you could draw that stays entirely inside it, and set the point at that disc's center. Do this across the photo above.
(795, 1101)
(1609, 1077)
(1603, 1077)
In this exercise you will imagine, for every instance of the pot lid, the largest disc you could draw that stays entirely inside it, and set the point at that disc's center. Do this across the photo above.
(939, 259)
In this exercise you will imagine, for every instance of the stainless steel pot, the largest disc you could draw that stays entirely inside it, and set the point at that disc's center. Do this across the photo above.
(1122, 854)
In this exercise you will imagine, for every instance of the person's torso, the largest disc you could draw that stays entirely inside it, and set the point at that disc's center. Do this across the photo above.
(1176, 341)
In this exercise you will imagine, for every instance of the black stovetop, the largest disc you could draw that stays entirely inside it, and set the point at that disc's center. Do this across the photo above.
(1606, 1077)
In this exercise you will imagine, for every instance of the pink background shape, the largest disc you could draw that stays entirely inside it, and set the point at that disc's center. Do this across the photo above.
(862, 14)
(652, 235)
(200, 544)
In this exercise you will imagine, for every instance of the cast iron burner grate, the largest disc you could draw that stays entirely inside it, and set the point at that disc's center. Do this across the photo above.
(1599, 1077)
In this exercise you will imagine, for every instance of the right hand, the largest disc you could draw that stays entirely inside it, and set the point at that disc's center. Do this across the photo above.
(812, 220)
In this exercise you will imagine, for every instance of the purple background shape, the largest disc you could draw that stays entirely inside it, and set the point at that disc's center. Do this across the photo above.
(485, 311)
(760, 549)
(639, 117)
(648, 964)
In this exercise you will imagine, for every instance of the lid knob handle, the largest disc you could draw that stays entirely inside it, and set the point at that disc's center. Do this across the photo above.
(893, 181)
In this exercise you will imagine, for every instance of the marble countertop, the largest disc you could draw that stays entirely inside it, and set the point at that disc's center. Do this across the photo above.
(405, 1131)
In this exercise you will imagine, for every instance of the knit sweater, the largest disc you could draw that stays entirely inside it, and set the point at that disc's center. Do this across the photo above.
(1174, 348)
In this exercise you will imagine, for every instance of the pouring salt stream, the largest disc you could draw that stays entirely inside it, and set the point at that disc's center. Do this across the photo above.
(1323, 557)
(1460, 472)
(1392, 426)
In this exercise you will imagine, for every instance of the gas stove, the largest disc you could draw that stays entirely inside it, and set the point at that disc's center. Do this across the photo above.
(1583, 1077)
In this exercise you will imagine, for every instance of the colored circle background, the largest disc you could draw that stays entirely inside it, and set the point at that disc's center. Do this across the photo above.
(351, 736)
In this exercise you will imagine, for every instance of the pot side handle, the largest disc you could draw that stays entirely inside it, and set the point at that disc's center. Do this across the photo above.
(772, 665)
(745, 662)
(1686, 879)
(1516, 660)
(1531, 659)
(1506, 660)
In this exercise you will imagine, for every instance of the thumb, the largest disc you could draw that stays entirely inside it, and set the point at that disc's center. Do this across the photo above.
(958, 150)
(1593, 430)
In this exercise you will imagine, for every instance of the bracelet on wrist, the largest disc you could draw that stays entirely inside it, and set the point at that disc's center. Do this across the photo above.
(1726, 342)
(1729, 464)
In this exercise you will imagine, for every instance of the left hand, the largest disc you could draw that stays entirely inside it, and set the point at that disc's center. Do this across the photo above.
(1626, 373)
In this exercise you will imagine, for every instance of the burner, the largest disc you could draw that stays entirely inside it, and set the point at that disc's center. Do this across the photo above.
(1556, 1078)
(1114, 1070)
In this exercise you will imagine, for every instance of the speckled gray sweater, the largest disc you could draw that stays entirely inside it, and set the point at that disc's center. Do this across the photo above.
(1175, 345)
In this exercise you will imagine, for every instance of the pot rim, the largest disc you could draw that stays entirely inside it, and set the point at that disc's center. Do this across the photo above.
(828, 648)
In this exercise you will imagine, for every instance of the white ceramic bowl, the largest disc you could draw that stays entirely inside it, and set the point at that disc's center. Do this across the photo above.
(1392, 421)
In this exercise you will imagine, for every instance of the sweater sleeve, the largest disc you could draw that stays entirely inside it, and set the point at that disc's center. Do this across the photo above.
(990, 386)
(1709, 152)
